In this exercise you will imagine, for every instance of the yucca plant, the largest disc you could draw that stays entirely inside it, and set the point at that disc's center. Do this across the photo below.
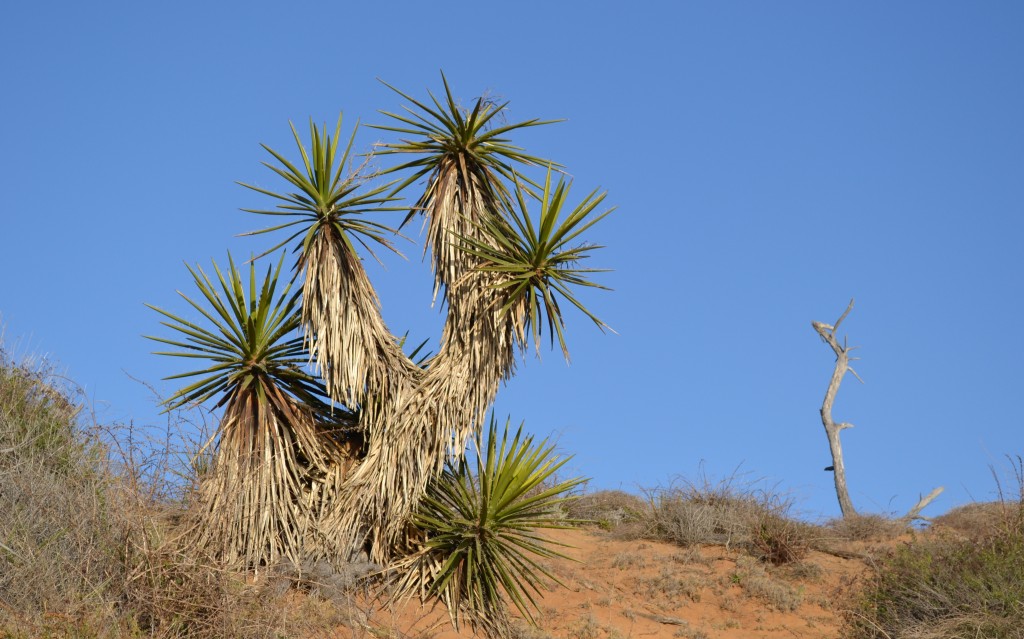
(276, 461)
(535, 263)
(361, 362)
(467, 163)
(340, 310)
(464, 161)
(471, 171)
(480, 523)
(499, 270)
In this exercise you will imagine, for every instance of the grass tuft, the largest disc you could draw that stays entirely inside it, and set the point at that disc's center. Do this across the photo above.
(731, 513)
(946, 584)
(758, 583)
(610, 510)
(867, 528)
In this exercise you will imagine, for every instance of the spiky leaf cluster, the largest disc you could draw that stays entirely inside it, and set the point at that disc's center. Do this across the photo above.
(536, 262)
(330, 197)
(252, 340)
(481, 522)
(276, 464)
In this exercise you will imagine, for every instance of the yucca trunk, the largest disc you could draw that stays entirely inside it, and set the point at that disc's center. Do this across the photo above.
(273, 472)
(356, 354)
(421, 428)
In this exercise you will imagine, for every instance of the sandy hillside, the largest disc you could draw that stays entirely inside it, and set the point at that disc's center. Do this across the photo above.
(636, 588)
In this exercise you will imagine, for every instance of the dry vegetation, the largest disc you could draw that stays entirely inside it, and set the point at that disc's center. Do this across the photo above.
(731, 513)
(963, 579)
(963, 576)
(88, 542)
(88, 548)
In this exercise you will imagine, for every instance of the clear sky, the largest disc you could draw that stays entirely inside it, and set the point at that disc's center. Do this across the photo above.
(769, 161)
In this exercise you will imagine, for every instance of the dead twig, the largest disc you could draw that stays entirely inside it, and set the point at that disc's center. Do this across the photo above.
(669, 621)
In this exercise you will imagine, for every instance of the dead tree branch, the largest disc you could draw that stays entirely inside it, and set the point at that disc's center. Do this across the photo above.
(828, 334)
(915, 512)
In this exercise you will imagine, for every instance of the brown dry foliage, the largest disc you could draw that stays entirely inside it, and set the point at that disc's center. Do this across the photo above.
(732, 513)
(608, 509)
(979, 520)
(88, 544)
(866, 528)
(778, 539)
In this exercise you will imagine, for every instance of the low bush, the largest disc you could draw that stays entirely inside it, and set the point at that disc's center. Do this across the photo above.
(87, 533)
(729, 513)
(778, 539)
(58, 528)
(981, 520)
(608, 509)
(870, 527)
(945, 585)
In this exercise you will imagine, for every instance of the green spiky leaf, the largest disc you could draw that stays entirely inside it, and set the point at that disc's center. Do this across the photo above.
(249, 337)
(442, 134)
(482, 523)
(538, 259)
(330, 197)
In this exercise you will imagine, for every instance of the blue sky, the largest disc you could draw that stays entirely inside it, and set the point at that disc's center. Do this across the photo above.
(769, 161)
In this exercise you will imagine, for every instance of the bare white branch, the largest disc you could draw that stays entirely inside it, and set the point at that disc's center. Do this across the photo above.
(828, 335)
(832, 429)
(915, 512)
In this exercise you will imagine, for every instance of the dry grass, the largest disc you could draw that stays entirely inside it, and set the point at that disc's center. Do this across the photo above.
(778, 539)
(57, 530)
(519, 629)
(731, 513)
(807, 571)
(977, 520)
(757, 582)
(610, 510)
(628, 560)
(673, 586)
(963, 579)
(587, 627)
(686, 632)
(866, 528)
(89, 532)
(91, 516)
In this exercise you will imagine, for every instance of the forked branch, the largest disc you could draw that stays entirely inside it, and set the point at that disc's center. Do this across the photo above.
(828, 335)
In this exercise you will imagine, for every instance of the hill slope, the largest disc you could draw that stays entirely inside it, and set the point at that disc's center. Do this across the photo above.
(619, 588)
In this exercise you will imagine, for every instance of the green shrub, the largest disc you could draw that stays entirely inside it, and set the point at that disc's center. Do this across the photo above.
(941, 586)
(56, 527)
(37, 417)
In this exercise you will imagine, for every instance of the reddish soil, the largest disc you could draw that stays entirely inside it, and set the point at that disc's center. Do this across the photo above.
(618, 589)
